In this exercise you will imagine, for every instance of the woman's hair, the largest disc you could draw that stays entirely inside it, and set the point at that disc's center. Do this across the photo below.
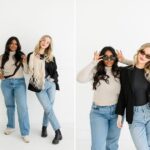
(48, 50)
(100, 68)
(17, 55)
(147, 65)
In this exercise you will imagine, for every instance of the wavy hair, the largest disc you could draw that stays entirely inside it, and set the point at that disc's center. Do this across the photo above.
(48, 51)
(100, 68)
(147, 65)
(18, 54)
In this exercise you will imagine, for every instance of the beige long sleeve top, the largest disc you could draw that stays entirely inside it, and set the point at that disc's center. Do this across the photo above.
(105, 94)
(10, 67)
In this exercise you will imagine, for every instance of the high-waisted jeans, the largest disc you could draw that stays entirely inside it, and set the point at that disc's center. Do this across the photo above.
(104, 131)
(46, 97)
(14, 90)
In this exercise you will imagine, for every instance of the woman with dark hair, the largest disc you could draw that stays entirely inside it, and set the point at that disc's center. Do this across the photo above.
(135, 98)
(12, 66)
(104, 72)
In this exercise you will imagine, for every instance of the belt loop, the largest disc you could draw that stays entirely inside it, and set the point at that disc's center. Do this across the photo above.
(136, 109)
(95, 106)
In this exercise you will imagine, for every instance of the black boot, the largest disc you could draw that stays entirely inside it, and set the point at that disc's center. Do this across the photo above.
(44, 132)
(57, 137)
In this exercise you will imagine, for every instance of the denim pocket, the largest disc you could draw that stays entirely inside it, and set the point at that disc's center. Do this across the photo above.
(94, 109)
(138, 116)
(133, 125)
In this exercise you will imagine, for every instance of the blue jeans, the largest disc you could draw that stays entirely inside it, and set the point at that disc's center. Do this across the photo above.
(46, 97)
(14, 90)
(140, 127)
(104, 131)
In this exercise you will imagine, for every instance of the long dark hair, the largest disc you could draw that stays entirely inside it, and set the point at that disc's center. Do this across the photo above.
(17, 55)
(100, 68)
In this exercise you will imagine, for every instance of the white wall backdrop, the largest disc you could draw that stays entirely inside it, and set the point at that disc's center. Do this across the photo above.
(121, 24)
(29, 20)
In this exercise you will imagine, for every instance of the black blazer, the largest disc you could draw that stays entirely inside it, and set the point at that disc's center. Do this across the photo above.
(126, 96)
(51, 68)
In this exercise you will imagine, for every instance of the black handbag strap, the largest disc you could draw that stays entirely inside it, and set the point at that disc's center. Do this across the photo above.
(17, 68)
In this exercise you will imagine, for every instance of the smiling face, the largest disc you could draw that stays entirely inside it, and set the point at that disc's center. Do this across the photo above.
(143, 56)
(45, 42)
(110, 59)
(13, 45)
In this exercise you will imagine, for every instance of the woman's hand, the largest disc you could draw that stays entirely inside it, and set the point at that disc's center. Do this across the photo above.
(24, 58)
(1, 76)
(120, 55)
(119, 121)
(97, 57)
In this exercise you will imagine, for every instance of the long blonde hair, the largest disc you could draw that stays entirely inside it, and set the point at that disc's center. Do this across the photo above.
(147, 65)
(48, 51)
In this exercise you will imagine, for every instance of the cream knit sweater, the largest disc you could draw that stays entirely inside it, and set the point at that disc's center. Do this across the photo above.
(105, 94)
(9, 67)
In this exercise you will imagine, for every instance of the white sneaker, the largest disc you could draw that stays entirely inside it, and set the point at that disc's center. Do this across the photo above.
(8, 131)
(26, 139)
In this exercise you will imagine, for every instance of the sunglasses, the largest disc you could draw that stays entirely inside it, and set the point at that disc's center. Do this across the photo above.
(107, 58)
(143, 53)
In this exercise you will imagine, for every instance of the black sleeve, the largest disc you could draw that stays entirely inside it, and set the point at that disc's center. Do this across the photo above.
(56, 75)
(28, 57)
(55, 72)
(121, 105)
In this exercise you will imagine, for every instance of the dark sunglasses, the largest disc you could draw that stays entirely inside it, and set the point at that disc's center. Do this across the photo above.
(143, 53)
(107, 58)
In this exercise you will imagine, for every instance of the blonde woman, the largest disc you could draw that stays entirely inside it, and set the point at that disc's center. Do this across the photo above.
(44, 77)
(135, 98)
